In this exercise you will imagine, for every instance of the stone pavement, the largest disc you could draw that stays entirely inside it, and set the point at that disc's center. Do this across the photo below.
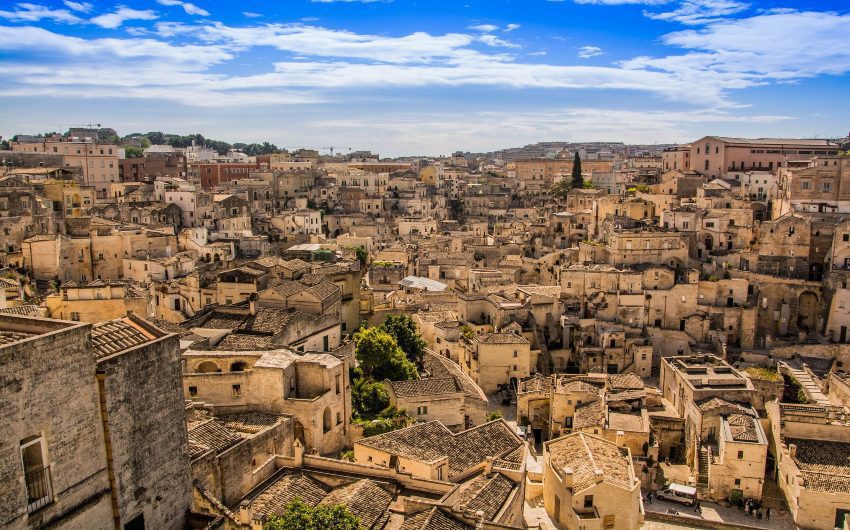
(712, 512)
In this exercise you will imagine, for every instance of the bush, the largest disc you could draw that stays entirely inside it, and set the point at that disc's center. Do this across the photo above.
(494, 415)
(298, 515)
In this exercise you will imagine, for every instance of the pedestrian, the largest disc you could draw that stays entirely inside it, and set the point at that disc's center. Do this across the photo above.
(767, 514)
(696, 506)
(759, 513)
(649, 497)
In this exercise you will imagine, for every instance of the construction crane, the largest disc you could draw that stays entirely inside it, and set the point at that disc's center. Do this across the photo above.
(329, 148)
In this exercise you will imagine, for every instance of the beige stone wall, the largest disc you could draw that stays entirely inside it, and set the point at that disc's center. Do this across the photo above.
(62, 407)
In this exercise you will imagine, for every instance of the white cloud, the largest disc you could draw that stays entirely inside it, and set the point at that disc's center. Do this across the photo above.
(486, 28)
(189, 8)
(694, 12)
(82, 7)
(511, 27)
(492, 40)
(621, 2)
(586, 52)
(772, 47)
(25, 12)
(349, 1)
(121, 15)
(251, 14)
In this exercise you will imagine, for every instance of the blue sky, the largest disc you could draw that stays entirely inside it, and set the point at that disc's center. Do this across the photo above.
(428, 77)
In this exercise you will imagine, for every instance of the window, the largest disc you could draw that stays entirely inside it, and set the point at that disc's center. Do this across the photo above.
(588, 501)
(237, 390)
(827, 186)
(338, 384)
(805, 184)
(737, 482)
(515, 353)
(421, 411)
(515, 367)
(36, 468)
(193, 391)
(740, 455)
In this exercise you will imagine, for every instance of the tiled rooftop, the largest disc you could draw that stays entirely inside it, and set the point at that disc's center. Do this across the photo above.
(430, 441)
(434, 519)
(425, 387)
(8, 337)
(121, 334)
(211, 435)
(589, 415)
(586, 455)
(486, 493)
(274, 499)
(742, 428)
(825, 465)
(364, 498)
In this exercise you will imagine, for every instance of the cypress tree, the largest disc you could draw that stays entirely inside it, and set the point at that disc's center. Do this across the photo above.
(577, 180)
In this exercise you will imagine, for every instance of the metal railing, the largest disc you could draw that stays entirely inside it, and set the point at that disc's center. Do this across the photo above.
(39, 488)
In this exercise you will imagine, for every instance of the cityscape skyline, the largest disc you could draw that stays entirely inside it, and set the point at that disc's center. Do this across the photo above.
(419, 79)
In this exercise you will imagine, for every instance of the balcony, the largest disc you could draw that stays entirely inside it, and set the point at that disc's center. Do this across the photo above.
(39, 488)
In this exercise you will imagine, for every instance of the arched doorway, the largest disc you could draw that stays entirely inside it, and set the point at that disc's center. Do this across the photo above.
(326, 420)
(807, 309)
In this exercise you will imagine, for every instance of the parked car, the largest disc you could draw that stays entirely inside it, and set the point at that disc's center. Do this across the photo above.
(678, 493)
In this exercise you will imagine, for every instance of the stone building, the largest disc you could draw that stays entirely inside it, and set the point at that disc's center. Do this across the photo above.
(96, 436)
(590, 483)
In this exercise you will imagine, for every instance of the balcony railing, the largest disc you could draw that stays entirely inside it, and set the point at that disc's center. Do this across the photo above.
(39, 488)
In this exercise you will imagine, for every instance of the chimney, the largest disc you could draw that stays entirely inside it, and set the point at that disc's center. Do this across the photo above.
(568, 477)
(488, 465)
(598, 476)
(245, 512)
(792, 451)
(621, 439)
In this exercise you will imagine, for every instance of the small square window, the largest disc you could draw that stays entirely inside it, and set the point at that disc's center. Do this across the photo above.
(740, 455)
(737, 482)
(237, 390)
(193, 391)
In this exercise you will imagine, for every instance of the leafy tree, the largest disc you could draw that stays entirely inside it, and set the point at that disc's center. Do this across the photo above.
(560, 188)
(494, 415)
(298, 515)
(403, 329)
(577, 179)
(368, 397)
(380, 356)
(133, 152)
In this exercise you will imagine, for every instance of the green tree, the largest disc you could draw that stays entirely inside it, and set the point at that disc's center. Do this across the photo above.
(361, 254)
(403, 329)
(577, 179)
(298, 515)
(560, 188)
(368, 397)
(133, 152)
(494, 415)
(380, 356)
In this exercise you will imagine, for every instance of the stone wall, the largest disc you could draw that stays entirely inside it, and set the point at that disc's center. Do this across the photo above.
(47, 388)
(147, 425)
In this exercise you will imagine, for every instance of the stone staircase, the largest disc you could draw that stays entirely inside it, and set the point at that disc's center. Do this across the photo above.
(810, 387)
(704, 462)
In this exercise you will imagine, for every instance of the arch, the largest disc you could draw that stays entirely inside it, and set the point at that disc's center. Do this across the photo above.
(207, 367)
(807, 309)
(326, 420)
(238, 366)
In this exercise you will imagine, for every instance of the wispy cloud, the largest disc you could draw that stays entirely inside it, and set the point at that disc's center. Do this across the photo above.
(189, 8)
(621, 2)
(251, 14)
(586, 52)
(121, 15)
(511, 27)
(486, 28)
(694, 12)
(25, 12)
(82, 7)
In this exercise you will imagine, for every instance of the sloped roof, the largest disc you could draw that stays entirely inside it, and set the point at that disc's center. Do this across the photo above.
(590, 458)
(121, 334)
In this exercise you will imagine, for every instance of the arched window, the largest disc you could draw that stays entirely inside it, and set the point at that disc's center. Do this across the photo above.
(207, 367)
(238, 366)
